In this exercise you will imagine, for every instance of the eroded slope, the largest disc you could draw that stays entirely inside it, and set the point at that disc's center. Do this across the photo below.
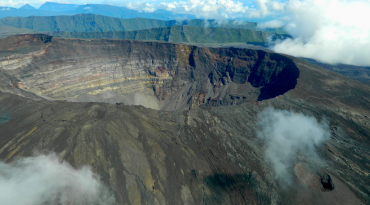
(209, 156)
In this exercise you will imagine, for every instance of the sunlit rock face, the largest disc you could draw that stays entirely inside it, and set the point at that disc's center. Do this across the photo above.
(156, 75)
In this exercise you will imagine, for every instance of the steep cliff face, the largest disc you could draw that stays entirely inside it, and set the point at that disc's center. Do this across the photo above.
(156, 75)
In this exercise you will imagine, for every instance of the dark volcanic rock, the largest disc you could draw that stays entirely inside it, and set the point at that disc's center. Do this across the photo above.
(204, 155)
(326, 182)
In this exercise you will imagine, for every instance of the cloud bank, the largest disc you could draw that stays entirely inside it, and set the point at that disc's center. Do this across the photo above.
(265, 8)
(208, 9)
(286, 133)
(44, 180)
(213, 9)
(330, 31)
(270, 24)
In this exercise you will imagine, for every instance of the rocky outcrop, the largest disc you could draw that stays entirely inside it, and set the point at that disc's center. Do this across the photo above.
(156, 75)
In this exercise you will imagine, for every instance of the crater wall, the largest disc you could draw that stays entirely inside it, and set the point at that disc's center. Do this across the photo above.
(153, 74)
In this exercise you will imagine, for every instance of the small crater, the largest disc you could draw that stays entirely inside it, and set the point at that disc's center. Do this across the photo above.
(326, 182)
(314, 177)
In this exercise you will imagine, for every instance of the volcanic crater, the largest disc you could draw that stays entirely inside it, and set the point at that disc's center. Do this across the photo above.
(161, 76)
(198, 144)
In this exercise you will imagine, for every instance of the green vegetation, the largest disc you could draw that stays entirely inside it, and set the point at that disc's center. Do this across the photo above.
(6, 31)
(98, 23)
(92, 26)
(82, 23)
(181, 34)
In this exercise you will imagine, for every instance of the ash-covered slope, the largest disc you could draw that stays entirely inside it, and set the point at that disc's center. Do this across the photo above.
(205, 155)
(157, 75)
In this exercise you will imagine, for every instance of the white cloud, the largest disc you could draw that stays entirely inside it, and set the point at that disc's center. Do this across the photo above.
(44, 180)
(11, 3)
(270, 24)
(216, 9)
(277, 6)
(331, 31)
(262, 9)
(265, 8)
(222, 9)
(141, 6)
(286, 134)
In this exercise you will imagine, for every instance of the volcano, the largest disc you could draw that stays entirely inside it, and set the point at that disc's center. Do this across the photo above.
(165, 123)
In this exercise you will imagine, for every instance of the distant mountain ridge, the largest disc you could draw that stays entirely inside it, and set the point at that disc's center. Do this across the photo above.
(58, 9)
(51, 9)
(99, 23)
(180, 34)
(82, 23)
(52, 6)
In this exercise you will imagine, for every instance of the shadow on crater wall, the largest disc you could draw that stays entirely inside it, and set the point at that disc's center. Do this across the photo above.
(283, 77)
(269, 74)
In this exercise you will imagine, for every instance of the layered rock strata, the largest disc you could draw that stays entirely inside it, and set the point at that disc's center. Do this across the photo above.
(156, 75)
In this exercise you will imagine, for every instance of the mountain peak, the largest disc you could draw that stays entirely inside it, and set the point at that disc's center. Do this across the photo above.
(28, 7)
(59, 7)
